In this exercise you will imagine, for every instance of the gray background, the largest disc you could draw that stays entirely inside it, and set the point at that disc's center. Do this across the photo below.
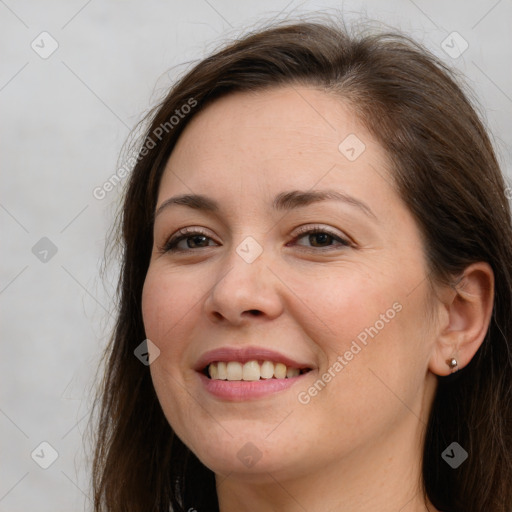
(63, 123)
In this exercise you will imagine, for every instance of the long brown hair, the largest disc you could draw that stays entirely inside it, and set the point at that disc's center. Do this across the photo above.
(447, 173)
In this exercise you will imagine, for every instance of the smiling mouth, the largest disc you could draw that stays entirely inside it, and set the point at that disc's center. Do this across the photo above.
(251, 370)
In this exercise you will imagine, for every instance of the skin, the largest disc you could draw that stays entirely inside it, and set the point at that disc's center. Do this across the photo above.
(357, 444)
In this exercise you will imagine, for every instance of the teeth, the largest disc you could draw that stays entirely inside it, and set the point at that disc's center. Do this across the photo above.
(292, 372)
(267, 370)
(250, 371)
(235, 370)
(280, 371)
(213, 371)
(222, 370)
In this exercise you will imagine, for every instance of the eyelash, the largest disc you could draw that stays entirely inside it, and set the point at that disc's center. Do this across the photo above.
(183, 234)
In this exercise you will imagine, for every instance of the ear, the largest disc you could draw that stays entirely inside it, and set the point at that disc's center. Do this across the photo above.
(467, 309)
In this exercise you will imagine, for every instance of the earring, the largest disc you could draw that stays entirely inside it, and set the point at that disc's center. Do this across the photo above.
(452, 363)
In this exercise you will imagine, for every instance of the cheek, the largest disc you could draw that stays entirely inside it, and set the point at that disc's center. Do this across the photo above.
(154, 300)
(384, 360)
(166, 300)
(372, 332)
(351, 305)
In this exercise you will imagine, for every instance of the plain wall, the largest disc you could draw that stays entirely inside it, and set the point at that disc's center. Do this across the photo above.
(63, 121)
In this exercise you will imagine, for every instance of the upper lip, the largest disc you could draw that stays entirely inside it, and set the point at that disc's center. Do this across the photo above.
(244, 354)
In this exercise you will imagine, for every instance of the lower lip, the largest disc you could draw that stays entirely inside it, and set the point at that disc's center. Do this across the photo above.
(239, 390)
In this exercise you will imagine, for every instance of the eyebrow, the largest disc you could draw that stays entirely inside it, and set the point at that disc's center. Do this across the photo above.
(284, 201)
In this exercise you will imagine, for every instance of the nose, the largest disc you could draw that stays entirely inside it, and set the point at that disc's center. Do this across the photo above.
(243, 291)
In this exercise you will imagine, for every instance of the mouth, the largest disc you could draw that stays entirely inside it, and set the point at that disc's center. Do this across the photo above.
(252, 370)
(245, 374)
(236, 368)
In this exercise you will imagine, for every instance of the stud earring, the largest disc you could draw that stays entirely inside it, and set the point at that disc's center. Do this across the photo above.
(452, 363)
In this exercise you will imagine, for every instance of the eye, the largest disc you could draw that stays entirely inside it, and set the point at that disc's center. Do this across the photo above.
(187, 239)
(321, 238)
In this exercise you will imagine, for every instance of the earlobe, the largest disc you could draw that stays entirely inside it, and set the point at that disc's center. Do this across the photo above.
(468, 311)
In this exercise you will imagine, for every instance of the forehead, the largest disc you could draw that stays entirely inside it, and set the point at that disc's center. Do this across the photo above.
(271, 137)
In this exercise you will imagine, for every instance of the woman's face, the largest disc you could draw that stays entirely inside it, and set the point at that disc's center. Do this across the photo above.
(298, 253)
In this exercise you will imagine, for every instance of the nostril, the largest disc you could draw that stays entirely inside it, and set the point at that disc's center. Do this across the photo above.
(255, 312)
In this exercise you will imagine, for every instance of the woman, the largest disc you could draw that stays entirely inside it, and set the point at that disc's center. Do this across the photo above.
(317, 257)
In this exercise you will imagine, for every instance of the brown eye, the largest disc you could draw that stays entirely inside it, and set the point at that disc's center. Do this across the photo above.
(321, 239)
(186, 241)
(196, 241)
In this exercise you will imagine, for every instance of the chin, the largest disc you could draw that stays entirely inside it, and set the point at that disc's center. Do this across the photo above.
(247, 456)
